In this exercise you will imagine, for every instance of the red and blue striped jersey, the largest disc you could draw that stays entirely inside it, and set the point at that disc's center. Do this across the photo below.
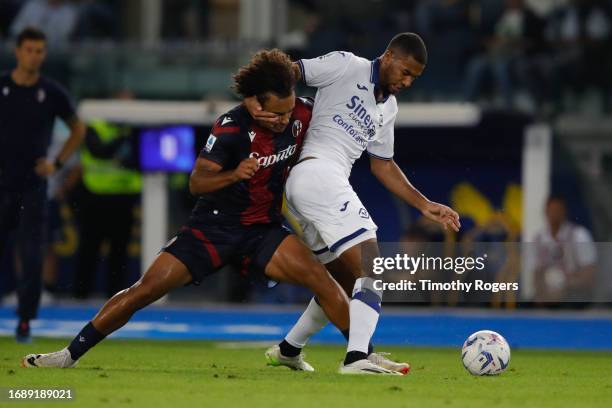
(235, 137)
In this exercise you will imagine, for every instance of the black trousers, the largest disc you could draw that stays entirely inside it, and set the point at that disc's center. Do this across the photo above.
(103, 217)
(23, 218)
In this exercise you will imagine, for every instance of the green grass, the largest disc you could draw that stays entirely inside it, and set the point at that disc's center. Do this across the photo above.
(134, 373)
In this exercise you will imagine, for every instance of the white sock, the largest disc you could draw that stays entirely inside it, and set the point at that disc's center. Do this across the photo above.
(310, 322)
(364, 311)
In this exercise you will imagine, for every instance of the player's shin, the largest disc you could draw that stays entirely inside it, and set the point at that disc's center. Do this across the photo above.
(333, 301)
(364, 311)
(310, 322)
(115, 313)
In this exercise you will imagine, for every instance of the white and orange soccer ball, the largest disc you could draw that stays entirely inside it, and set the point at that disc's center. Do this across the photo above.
(485, 353)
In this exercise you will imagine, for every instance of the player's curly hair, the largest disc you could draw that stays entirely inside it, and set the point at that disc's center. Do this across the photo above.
(268, 71)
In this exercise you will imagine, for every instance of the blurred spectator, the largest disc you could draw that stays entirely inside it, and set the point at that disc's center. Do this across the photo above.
(449, 28)
(56, 18)
(581, 37)
(517, 33)
(497, 241)
(545, 8)
(105, 205)
(438, 17)
(565, 258)
(324, 31)
(185, 20)
(97, 20)
(8, 11)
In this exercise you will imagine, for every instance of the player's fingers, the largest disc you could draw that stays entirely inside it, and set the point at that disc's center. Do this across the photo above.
(250, 164)
(448, 222)
(457, 223)
(454, 226)
(265, 114)
(445, 223)
(267, 119)
(453, 217)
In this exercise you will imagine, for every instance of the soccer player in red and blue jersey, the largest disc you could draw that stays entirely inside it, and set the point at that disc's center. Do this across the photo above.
(239, 178)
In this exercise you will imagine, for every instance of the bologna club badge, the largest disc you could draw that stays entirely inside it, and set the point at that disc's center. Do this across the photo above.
(297, 128)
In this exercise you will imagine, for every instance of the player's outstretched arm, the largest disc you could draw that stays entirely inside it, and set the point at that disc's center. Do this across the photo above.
(394, 179)
(207, 175)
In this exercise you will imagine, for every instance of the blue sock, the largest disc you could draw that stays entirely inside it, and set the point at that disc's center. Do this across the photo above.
(86, 339)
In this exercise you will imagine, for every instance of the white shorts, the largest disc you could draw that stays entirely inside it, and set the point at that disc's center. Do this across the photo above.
(327, 209)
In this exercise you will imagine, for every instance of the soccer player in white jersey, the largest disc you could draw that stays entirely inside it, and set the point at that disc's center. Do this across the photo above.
(354, 110)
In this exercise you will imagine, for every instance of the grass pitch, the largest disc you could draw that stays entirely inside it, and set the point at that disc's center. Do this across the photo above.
(136, 373)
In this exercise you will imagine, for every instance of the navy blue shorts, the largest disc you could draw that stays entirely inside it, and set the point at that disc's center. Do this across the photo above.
(204, 249)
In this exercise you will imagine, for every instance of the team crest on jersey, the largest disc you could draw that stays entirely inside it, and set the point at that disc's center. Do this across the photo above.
(210, 143)
(5, 91)
(297, 128)
(41, 95)
(363, 213)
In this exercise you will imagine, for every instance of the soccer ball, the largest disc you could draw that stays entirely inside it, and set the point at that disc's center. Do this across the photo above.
(485, 353)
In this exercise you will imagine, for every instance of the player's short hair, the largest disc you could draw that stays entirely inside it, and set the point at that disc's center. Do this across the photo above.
(268, 71)
(560, 198)
(409, 44)
(30, 33)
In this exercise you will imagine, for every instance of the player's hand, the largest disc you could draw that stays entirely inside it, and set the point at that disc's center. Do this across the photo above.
(443, 215)
(257, 112)
(246, 169)
(44, 168)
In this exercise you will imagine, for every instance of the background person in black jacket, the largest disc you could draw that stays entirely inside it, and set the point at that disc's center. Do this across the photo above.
(29, 104)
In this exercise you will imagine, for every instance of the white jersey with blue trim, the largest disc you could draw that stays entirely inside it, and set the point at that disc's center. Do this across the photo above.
(346, 120)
